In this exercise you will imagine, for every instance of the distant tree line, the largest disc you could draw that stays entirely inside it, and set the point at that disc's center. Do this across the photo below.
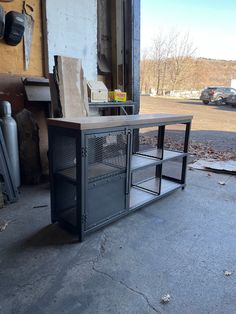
(170, 64)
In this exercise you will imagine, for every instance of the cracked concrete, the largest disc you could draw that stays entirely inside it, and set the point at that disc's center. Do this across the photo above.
(180, 245)
(129, 288)
(102, 249)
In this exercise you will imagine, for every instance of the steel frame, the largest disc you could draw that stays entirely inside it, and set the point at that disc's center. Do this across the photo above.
(82, 183)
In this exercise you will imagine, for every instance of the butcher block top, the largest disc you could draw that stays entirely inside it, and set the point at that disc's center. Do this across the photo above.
(102, 122)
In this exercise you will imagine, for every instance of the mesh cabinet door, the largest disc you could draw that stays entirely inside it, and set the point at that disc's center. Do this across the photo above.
(107, 171)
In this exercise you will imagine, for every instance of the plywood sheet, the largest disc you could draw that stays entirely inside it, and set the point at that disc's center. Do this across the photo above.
(72, 87)
(226, 166)
(12, 57)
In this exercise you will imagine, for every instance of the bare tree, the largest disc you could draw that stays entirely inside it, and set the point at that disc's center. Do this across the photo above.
(167, 65)
(171, 64)
(169, 50)
(158, 56)
(145, 77)
(181, 60)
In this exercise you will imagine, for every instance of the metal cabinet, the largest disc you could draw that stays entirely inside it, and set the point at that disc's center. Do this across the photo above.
(104, 168)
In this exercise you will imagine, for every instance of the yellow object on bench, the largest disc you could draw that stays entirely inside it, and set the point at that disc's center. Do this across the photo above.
(117, 95)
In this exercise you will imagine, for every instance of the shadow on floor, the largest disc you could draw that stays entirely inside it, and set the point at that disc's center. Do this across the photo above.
(51, 235)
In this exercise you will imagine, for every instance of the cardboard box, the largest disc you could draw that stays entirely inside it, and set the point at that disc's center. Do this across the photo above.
(97, 91)
(117, 95)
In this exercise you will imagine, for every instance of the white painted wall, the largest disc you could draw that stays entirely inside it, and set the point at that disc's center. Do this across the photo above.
(72, 32)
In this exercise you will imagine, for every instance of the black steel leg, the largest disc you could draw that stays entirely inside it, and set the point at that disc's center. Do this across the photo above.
(185, 159)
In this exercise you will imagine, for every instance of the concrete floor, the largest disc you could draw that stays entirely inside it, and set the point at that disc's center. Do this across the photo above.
(180, 245)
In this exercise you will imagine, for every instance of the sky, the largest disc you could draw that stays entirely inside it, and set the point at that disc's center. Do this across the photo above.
(211, 24)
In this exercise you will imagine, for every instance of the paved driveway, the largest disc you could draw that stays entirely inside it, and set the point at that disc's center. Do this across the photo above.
(214, 125)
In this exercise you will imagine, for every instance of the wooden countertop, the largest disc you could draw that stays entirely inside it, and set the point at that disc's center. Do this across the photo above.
(90, 123)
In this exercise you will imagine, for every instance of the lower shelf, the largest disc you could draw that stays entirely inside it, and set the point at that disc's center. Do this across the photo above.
(99, 170)
(139, 197)
(96, 171)
(168, 186)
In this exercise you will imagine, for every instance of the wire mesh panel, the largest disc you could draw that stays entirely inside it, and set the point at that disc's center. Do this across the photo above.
(107, 155)
(148, 142)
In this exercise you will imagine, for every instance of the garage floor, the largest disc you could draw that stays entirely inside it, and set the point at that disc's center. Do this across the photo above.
(180, 245)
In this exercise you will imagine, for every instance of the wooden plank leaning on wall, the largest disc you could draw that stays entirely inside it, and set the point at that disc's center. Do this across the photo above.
(12, 57)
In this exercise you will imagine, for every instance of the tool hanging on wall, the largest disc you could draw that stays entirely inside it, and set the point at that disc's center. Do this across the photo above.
(2, 22)
(14, 28)
(28, 11)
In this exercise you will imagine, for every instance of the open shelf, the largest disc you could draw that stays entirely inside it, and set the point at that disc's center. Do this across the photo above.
(169, 154)
(139, 197)
(168, 186)
(151, 184)
(155, 153)
(152, 153)
(139, 161)
(98, 171)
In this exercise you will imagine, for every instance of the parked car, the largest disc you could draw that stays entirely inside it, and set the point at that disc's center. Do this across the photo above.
(217, 94)
(231, 100)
